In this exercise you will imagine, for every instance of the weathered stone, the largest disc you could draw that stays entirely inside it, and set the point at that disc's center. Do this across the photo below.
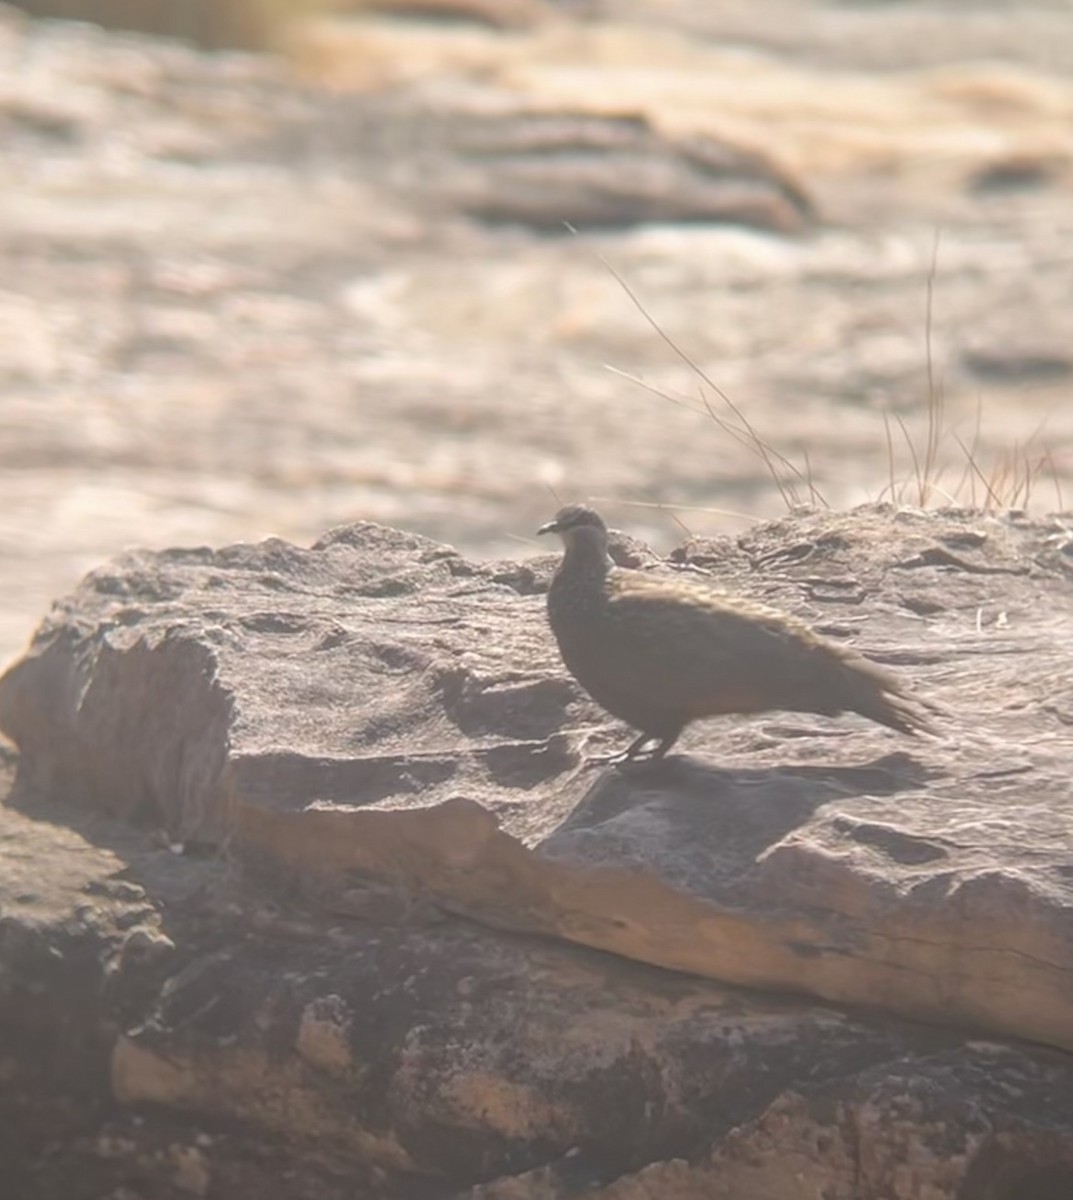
(378, 708)
(273, 1051)
(550, 170)
(966, 1123)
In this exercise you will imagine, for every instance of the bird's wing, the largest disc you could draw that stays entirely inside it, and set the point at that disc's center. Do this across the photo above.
(717, 654)
(711, 653)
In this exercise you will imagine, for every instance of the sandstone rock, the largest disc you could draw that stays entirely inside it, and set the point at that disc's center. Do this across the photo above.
(950, 1124)
(377, 708)
(545, 170)
(326, 1056)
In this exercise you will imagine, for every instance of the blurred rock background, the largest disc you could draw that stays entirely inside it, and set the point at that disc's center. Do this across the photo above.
(266, 267)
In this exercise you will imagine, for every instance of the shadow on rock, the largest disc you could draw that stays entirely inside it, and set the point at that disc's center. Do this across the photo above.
(728, 815)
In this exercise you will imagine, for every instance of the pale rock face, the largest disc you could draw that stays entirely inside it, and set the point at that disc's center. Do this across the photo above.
(383, 730)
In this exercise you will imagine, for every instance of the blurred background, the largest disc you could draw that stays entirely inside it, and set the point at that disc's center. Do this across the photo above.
(269, 267)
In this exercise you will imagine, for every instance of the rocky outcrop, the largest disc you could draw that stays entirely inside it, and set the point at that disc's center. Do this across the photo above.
(382, 732)
(377, 704)
(169, 1025)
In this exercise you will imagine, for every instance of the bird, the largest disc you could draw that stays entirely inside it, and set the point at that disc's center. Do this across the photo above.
(660, 653)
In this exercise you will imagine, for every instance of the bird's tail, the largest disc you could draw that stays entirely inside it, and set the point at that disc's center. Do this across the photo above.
(880, 696)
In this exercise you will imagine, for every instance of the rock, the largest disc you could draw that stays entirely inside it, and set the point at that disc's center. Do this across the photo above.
(377, 716)
(330, 1056)
(1024, 364)
(547, 170)
(1016, 172)
(898, 1132)
(499, 14)
(456, 1053)
(376, 708)
(214, 26)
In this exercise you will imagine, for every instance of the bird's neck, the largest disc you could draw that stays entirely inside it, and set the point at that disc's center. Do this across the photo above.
(586, 557)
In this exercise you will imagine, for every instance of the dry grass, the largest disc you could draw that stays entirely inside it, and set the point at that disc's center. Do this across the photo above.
(790, 479)
(919, 468)
(1004, 482)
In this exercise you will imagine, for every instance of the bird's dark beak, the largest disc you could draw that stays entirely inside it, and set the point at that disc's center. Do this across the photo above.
(550, 527)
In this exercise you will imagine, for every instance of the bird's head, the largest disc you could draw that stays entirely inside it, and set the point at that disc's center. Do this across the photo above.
(577, 524)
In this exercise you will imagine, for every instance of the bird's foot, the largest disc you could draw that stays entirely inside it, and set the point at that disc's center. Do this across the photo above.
(606, 760)
(635, 752)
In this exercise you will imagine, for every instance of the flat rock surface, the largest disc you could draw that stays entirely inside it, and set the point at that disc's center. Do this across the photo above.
(379, 708)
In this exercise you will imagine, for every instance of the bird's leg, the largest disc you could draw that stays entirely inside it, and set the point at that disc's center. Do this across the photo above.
(636, 749)
(665, 743)
(620, 756)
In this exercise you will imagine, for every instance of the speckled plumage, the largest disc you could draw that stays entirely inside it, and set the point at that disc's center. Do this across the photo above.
(661, 653)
